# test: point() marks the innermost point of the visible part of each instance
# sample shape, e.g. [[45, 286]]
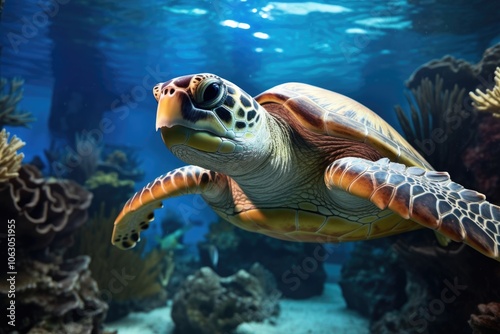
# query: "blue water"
[[112, 50]]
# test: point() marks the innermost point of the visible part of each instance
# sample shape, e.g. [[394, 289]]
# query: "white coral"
[[489, 101], [10, 160]]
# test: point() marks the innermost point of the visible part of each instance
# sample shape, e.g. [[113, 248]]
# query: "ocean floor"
[[325, 314]]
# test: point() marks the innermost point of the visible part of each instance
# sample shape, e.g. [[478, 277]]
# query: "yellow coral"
[[9, 115], [489, 101], [117, 157], [10, 160], [100, 179]]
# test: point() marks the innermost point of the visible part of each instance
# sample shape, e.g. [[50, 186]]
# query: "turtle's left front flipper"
[[429, 198], [137, 213]]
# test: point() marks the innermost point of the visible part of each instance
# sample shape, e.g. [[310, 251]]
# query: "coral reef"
[[488, 321], [430, 290], [77, 163], [461, 279], [89, 156], [54, 295], [442, 121], [208, 303], [132, 281], [458, 71], [43, 208], [446, 289], [121, 160], [489, 101], [110, 189], [9, 98], [297, 267], [366, 285], [185, 265], [437, 121], [110, 176], [481, 157], [10, 160]]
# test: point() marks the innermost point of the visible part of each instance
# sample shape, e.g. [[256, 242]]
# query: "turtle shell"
[[325, 112]]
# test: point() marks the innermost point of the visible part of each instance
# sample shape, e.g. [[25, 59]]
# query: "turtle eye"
[[210, 93]]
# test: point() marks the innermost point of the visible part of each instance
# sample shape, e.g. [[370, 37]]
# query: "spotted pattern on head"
[[237, 111]]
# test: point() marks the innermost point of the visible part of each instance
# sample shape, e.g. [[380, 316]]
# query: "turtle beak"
[[169, 112], [176, 109]]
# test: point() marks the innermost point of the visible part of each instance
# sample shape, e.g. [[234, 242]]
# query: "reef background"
[[77, 119]]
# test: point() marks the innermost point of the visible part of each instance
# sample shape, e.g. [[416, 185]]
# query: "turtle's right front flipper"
[[137, 213], [427, 197]]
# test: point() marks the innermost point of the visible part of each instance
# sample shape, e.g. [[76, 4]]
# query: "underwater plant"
[[88, 157], [78, 163], [10, 160], [11, 94], [144, 275], [89, 151], [437, 124], [490, 100]]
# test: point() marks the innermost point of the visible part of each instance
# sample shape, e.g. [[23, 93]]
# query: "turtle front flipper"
[[429, 198], [137, 213]]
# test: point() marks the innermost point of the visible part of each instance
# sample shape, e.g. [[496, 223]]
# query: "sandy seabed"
[[325, 314]]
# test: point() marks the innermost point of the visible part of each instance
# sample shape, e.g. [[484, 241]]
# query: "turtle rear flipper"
[[429, 198]]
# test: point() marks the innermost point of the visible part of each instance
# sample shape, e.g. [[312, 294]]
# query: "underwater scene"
[[250, 166]]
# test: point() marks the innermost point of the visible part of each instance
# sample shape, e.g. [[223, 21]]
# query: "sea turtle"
[[301, 163]]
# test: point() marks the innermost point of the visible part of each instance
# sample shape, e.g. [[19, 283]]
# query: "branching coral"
[[9, 98], [89, 151], [489, 101], [110, 189], [87, 156], [438, 123], [124, 161], [10, 160], [142, 277], [78, 163]]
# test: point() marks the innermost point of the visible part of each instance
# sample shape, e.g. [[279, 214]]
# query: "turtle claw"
[[128, 232]]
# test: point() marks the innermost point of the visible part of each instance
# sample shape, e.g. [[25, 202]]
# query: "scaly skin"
[[427, 197], [137, 213]]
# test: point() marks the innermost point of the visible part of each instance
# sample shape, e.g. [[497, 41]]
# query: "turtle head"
[[203, 117]]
